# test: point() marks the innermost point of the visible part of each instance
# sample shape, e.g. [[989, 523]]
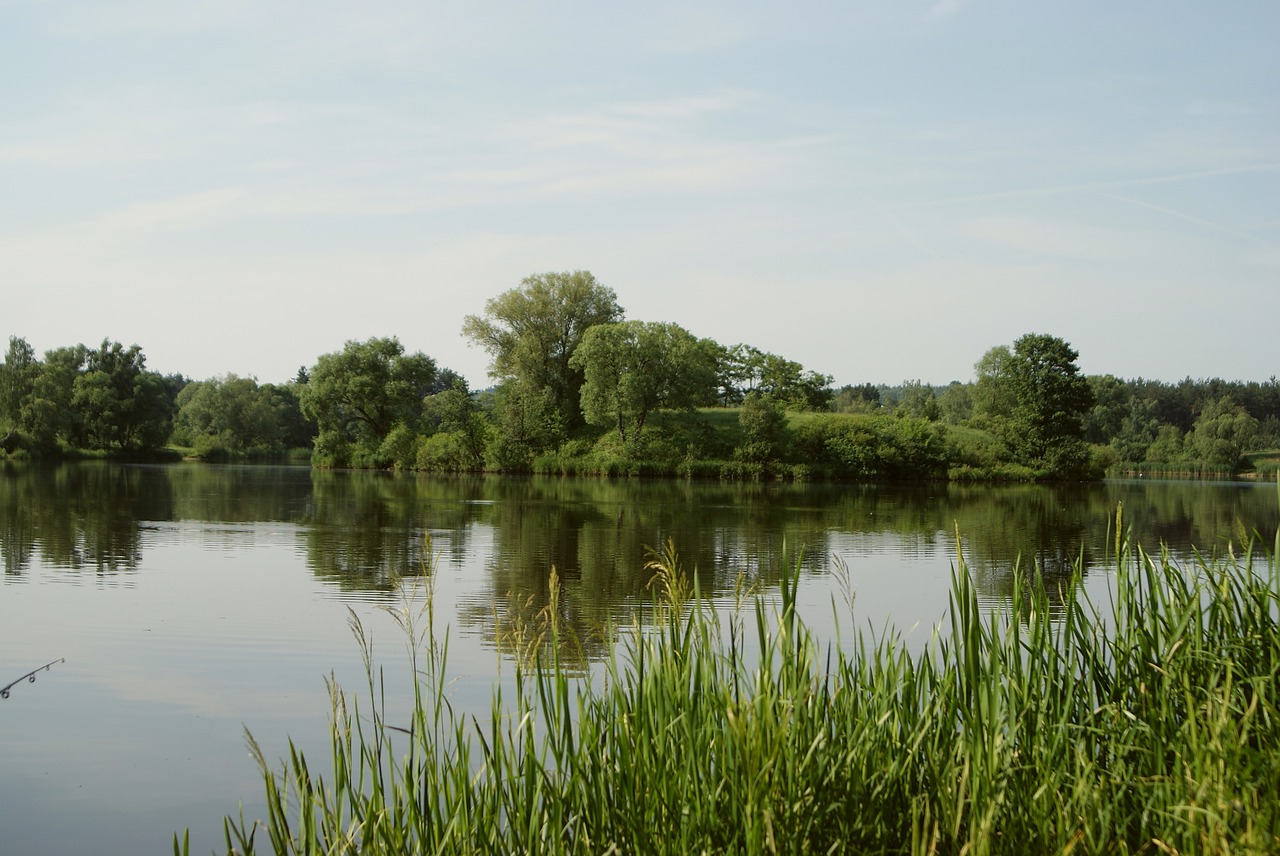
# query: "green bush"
[[869, 447], [443, 452], [763, 424], [399, 449], [330, 451]]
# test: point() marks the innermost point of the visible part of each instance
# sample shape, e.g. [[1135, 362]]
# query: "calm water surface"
[[191, 601]]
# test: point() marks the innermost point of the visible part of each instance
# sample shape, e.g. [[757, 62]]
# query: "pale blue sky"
[[879, 190]]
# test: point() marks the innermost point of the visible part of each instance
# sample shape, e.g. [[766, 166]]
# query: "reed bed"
[[1145, 724]]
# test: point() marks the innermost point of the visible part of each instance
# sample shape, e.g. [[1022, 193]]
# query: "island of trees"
[[581, 389]]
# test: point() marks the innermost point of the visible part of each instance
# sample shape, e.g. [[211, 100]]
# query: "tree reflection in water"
[[365, 532]]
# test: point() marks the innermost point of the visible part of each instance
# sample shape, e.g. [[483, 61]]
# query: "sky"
[[881, 191]]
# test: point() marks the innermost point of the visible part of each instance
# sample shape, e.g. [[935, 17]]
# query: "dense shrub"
[[764, 429], [867, 447], [446, 452]]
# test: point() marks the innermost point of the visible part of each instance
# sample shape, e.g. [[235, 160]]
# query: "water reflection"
[[365, 532], [79, 517]]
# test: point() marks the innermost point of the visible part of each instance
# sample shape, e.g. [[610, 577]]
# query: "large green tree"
[[531, 333], [633, 368], [955, 405], [1035, 399], [47, 415], [993, 398], [17, 378], [358, 395], [119, 405]]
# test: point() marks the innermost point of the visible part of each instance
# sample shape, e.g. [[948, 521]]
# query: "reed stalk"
[[1145, 724]]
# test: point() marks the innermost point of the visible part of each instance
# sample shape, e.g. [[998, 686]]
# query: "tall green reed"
[[1147, 723]]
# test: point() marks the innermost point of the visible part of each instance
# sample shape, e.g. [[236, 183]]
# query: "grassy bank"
[[1146, 724]]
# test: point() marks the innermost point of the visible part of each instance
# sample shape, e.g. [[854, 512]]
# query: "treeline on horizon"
[[582, 390]]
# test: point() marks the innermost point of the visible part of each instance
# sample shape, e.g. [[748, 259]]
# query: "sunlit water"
[[189, 602]]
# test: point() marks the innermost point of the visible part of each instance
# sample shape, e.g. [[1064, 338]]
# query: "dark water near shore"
[[189, 600]]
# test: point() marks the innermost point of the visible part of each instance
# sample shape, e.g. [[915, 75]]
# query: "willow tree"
[[531, 333]]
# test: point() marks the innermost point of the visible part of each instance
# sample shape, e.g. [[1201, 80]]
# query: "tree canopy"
[[572, 371], [1036, 400], [744, 369], [101, 399], [531, 332], [234, 415], [358, 395], [632, 368]]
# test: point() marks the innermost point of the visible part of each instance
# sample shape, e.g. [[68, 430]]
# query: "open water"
[[180, 604]]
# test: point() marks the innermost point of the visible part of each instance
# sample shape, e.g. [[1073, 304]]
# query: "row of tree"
[[100, 398], [1140, 424], [569, 366], [105, 399], [565, 359]]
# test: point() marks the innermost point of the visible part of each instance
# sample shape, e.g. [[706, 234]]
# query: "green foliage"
[[297, 432], [955, 405], [399, 449], [457, 415], [1268, 436], [871, 447], [448, 452], [1035, 399], [632, 368], [47, 415], [856, 399], [331, 451], [994, 399], [117, 405], [764, 430], [1167, 446], [1222, 434], [972, 450], [918, 400], [233, 416], [17, 379], [1138, 430], [1112, 404], [1149, 724], [744, 369], [531, 333], [358, 395], [527, 422]]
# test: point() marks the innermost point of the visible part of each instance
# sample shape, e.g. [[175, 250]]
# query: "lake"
[[183, 603]]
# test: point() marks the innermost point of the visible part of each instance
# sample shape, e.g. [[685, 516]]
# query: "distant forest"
[[582, 390]]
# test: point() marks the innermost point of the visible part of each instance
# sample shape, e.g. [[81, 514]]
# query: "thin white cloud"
[[1063, 239], [1091, 186], [1199, 221], [35, 255]]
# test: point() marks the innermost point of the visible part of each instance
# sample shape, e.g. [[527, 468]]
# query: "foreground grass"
[[1148, 724]]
